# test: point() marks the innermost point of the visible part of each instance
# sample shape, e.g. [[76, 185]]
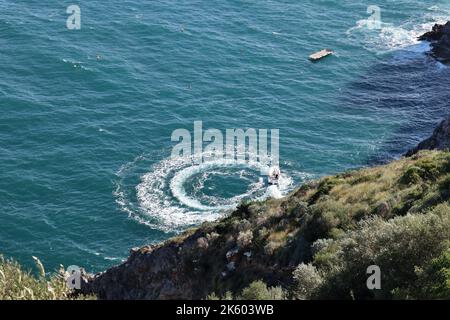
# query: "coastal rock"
[[230, 255], [383, 209], [231, 266], [439, 140], [435, 34], [202, 243], [439, 37], [190, 266]]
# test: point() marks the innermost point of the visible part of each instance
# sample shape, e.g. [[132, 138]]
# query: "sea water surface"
[[87, 115]]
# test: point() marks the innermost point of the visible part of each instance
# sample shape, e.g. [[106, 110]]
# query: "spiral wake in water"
[[176, 193]]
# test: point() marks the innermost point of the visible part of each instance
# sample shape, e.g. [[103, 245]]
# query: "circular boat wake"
[[176, 193]]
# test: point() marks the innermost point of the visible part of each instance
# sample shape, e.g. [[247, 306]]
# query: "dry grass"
[[18, 284]]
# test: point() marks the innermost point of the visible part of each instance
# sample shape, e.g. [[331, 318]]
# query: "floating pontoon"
[[320, 55]]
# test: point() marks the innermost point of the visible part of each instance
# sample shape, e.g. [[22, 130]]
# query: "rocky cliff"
[[439, 140], [439, 37]]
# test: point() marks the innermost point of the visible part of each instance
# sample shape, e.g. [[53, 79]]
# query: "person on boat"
[[274, 175]]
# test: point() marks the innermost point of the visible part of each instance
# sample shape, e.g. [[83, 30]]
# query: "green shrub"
[[228, 296], [17, 284], [427, 169], [398, 246], [412, 175], [325, 186], [431, 168], [307, 281], [434, 279], [444, 187], [258, 290]]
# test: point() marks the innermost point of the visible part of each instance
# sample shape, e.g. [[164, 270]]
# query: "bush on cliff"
[[18, 284], [257, 290], [412, 253]]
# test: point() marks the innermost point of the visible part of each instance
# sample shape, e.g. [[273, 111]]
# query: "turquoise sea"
[[87, 115]]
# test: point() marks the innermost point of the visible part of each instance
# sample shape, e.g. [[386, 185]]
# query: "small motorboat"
[[320, 55], [273, 181], [274, 176]]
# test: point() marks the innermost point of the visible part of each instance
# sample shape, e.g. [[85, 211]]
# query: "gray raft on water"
[[320, 55]]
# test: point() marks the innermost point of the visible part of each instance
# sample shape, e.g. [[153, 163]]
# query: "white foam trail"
[[180, 178], [176, 208], [273, 192], [163, 203]]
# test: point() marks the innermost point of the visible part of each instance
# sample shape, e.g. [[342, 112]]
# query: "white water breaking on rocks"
[[389, 37]]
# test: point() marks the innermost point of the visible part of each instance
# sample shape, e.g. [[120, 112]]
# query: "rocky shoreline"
[[439, 140], [439, 37]]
